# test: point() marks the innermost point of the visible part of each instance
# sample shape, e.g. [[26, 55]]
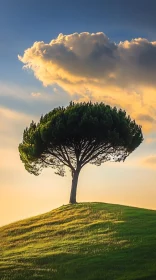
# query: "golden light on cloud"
[[150, 161], [11, 120], [92, 67], [11, 125], [150, 140], [10, 114]]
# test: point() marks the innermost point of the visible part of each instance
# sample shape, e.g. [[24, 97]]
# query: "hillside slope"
[[88, 241]]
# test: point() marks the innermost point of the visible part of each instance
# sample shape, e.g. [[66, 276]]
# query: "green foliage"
[[79, 134], [88, 241]]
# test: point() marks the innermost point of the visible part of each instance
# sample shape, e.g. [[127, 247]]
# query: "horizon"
[[52, 53]]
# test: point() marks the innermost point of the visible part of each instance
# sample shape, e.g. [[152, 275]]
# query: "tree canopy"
[[78, 134]]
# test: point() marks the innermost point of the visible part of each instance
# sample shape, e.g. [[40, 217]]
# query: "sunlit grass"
[[82, 241]]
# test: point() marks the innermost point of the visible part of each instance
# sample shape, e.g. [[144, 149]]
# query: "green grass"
[[88, 241]]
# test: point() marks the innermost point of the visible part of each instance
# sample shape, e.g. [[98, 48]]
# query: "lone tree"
[[76, 135]]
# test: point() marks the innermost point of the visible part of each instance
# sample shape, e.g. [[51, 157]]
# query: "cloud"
[[55, 89], [92, 67], [150, 161], [13, 90], [19, 99], [12, 125], [150, 140], [78, 58], [7, 114], [35, 94], [146, 118]]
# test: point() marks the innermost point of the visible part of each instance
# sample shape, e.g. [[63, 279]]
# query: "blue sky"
[[23, 96]]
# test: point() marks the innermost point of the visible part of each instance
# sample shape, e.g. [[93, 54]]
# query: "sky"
[[52, 52]]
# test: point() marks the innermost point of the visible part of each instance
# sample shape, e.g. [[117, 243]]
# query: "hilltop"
[[86, 241]]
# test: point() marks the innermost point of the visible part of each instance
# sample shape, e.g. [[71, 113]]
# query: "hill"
[[88, 241]]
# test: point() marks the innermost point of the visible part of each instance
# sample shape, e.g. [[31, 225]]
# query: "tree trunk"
[[74, 187]]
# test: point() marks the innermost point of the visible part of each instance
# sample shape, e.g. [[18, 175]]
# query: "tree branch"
[[61, 157], [68, 159], [93, 156], [86, 149], [92, 150]]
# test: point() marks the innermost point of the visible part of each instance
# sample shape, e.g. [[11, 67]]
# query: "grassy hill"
[[88, 241]]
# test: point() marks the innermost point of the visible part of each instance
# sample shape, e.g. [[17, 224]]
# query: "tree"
[[76, 135]]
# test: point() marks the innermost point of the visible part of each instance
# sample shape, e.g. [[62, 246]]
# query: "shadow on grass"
[[104, 242], [127, 263]]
